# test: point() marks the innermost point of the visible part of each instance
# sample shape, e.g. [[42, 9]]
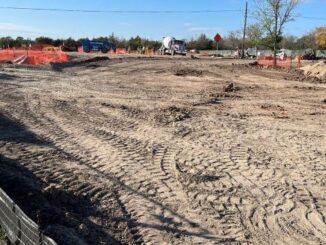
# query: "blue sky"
[[30, 24]]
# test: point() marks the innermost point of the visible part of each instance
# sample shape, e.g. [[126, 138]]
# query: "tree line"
[[232, 41], [133, 42], [255, 38]]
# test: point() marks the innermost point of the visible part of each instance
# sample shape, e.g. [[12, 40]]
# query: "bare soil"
[[315, 70], [165, 151]]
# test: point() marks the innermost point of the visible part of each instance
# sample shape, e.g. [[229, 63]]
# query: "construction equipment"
[[309, 54], [93, 46], [172, 46]]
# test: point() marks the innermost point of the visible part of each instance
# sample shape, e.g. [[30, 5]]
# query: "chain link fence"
[[320, 54], [19, 228]]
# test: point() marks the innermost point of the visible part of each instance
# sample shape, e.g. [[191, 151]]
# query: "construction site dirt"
[[165, 150]]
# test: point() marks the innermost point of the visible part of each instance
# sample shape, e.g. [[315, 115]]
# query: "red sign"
[[217, 38]]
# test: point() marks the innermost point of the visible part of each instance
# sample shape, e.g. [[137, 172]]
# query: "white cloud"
[[195, 29], [11, 27], [200, 29]]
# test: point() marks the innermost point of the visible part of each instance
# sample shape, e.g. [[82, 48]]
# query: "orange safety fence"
[[268, 61], [149, 52], [121, 51], [33, 57]]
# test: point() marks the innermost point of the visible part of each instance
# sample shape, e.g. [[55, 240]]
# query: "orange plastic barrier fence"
[[149, 52], [268, 61], [33, 57], [121, 51]]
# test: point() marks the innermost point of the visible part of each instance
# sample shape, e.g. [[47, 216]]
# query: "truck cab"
[[179, 47]]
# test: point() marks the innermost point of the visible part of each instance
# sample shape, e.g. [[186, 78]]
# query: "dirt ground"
[[165, 151]]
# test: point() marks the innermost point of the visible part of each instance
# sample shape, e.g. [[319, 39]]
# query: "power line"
[[123, 11], [141, 11], [312, 18]]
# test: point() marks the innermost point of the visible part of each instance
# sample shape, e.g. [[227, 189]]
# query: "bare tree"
[[272, 15], [233, 39], [254, 34]]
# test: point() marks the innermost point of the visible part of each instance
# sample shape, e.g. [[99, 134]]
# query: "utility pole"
[[277, 9], [244, 32]]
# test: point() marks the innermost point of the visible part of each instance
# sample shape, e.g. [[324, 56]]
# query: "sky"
[[31, 24]]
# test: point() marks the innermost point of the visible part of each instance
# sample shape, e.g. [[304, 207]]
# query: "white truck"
[[172, 46]]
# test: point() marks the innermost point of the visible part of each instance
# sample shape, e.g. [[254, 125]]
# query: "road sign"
[[217, 38]]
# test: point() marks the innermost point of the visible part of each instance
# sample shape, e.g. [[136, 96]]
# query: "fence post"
[[299, 61], [19, 225], [40, 235]]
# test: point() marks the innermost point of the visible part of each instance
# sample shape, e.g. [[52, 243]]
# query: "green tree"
[[7, 42], [58, 42], [135, 42], [204, 43], [272, 15], [201, 43], [44, 40], [254, 34]]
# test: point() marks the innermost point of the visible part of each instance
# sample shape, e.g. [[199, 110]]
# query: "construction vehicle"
[[172, 46], [93, 46], [309, 54]]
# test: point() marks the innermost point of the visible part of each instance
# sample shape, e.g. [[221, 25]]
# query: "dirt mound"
[[194, 57], [90, 63], [128, 110], [299, 75], [316, 70], [188, 72], [231, 87], [251, 64], [172, 114]]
